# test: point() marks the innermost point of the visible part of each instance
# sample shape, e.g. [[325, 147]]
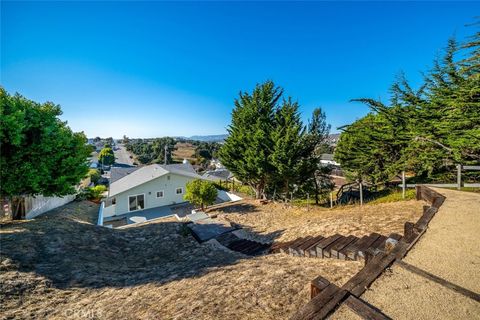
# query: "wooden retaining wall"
[[326, 297]]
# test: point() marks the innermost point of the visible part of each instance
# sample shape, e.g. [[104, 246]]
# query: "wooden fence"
[[326, 297]]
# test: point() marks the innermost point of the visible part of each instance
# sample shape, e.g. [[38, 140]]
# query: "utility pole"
[[403, 184], [166, 150]]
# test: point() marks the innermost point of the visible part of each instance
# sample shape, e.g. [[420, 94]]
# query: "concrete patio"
[[180, 210]]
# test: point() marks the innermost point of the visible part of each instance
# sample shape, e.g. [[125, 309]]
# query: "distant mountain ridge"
[[332, 138], [209, 138]]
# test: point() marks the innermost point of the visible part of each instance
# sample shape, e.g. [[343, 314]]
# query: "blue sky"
[[151, 69]]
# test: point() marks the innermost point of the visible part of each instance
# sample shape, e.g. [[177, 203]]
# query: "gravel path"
[[449, 249]]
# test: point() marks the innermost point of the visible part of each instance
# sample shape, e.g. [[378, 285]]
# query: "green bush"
[[92, 193], [200, 193], [94, 175]]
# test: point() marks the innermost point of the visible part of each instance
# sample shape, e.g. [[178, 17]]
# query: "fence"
[[35, 206], [457, 185], [100, 214], [327, 297]]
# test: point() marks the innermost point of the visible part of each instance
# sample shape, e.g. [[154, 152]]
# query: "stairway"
[[336, 246], [247, 247]]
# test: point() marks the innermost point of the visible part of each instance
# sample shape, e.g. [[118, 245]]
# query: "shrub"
[[201, 193], [94, 175]]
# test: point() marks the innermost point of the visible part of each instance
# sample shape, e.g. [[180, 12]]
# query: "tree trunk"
[[316, 189], [17, 208]]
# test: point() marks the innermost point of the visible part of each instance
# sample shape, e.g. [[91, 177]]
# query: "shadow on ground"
[[67, 248]]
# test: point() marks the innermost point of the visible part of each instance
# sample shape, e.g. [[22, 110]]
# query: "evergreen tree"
[[314, 178], [248, 147], [40, 155], [287, 146], [425, 131]]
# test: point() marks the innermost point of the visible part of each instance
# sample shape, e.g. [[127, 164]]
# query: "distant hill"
[[210, 138]]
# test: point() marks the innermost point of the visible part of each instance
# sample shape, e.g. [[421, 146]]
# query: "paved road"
[[122, 157]]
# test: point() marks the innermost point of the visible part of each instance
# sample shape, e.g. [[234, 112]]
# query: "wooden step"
[[249, 246], [395, 236], [367, 244], [286, 248], [376, 247], [236, 244], [260, 249], [293, 250], [227, 238], [302, 249], [327, 250], [339, 245], [324, 243], [312, 250], [350, 249]]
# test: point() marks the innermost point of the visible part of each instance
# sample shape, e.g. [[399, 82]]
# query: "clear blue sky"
[[152, 69]]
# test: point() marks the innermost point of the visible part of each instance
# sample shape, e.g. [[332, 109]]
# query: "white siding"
[[150, 188]]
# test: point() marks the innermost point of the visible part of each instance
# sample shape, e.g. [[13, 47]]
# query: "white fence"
[[35, 206], [100, 214]]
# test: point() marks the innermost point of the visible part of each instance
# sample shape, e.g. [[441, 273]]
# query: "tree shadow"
[[240, 207], [71, 253]]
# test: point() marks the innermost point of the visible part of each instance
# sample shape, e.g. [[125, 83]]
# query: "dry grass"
[[184, 150], [63, 266], [280, 222]]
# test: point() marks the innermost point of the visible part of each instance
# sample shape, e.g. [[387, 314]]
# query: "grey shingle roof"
[[150, 172], [219, 174], [117, 173]]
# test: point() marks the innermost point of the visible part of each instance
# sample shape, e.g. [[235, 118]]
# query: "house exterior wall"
[[167, 183]]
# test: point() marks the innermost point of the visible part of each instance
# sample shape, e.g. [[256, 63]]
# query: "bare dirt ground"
[[61, 266], [279, 222], [448, 249]]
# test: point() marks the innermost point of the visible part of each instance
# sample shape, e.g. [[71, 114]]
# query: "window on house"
[[179, 191], [114, 201], [160, 194], [136, 202]]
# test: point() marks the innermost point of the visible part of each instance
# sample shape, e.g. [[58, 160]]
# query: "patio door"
[[136, 202]]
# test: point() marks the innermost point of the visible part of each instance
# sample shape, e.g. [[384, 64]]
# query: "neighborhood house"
[[147, 190]]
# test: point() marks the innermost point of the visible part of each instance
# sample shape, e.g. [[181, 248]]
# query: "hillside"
[[61, 266]]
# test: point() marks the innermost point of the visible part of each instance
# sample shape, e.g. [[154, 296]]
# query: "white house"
[[147, 191]]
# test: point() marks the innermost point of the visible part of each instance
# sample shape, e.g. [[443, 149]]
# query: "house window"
[[179, 191], [160, 194], [114, 201], [136, 202]]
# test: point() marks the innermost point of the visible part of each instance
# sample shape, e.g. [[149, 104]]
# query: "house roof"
[[218, 174], [147, 173], [117, 173]]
